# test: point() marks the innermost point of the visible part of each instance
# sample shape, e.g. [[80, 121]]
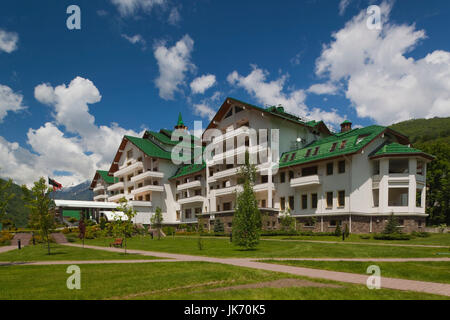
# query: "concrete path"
[[7, 248]]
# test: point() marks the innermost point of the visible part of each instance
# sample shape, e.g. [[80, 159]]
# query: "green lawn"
[[219, 247], [423, 271], [60, 252], [180, 280], [439, 239]]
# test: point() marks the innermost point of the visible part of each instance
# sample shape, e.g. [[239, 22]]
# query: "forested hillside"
[[16, 211]]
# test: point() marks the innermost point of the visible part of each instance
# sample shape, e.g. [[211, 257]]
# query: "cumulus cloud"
[[274, 93], [9, 101], [203, 110], [130, 7], [203, 83], [80, 149], [323, 88], [343, 4], [136, 39], [8, 41], [173, 63], [382, 82]]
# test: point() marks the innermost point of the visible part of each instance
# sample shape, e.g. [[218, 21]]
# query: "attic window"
[[361, 138], [333, 147], [343, 144], [292, 156], [229, 114], [308, 153], [286, 158], [316, 151], [238, 109]]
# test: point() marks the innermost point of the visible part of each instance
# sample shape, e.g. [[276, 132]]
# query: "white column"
[[269, 189], [412, 188], [384, 185]]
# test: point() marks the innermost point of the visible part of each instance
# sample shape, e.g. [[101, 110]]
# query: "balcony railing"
[[99, 188], [308, 181], [101, 197], [222, 157], [147, 174], [116, 197], [116, 186], [148, 189], [232, 134], [187, 185], [191, 199], [129, 169]]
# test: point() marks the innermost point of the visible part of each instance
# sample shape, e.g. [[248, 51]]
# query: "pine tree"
[[346, 231], [218, 226], [392, 225], [338, 231], [247, 219], [156, 220]]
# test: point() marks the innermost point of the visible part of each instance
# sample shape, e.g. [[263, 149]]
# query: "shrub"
[[66, 231], [394, 236], [338, 231], [218, 226], [365, 236], [421, 234], [5, 238], [346, 231], [169, 231], [392, 226]]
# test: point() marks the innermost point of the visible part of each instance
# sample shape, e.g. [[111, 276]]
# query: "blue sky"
[[133, 65]]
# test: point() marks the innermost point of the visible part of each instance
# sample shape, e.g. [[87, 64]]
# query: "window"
[[238, 109], [419, 198], [333, 223], [282, 177], [188, 213], [291, 202], [333, 147], [376, 168], [304, 201], [198, 210], [308, 153], [398, 197], [314, 200], [420, 168], [230, 224], [341, 199], [398, 166], [227, 206], [147, 197], [286, 158], [316, 151], [291, 175], [310, 223], [341, 166], [283, 203], [264, 179], [263, 203], [343, 143], [329, 199], [178, 215], [376, 197], [198, 192], [330, 166], [129, 154], [293, 156], [310, 171]]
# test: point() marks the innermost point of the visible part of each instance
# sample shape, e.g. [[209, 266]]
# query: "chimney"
[[346, 126]]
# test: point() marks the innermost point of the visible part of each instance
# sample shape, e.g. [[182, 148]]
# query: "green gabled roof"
[[149, 148], [189, 169], [355, 140], [180, 121], [394, 148], [104, 175]]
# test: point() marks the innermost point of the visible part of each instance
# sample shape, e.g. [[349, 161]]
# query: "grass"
[[219, 247], [422, 271], [181, 280], [60, 252], [438, 239]]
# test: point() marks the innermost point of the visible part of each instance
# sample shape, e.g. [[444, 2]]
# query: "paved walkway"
[[7, 248]]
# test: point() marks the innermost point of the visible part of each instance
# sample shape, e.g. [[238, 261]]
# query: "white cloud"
[[173, 64], [8, 41], [130, 7], [203, 83], [174, 16], [204, 111], [136, 39], [382, 82], [9, 101], [323, 88], [273, 93], [88, 147], [343, 4]]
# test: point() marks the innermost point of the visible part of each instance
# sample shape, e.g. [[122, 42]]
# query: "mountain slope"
[[78, 192], [16, 211], [425, 130]]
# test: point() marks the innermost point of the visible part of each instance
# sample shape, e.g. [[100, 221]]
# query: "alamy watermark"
[[374, 281], [73, 281], [373, 21], [73, 22]]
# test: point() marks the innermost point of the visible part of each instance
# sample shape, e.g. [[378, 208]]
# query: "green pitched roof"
[[335, 145], [396, 148], [189, 169], [149, 148], [180, 121], [104, 175]]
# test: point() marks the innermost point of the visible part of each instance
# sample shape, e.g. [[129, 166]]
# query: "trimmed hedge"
[[394, 236]]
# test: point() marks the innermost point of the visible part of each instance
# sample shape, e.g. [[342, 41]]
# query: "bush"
[[5, 238], [421, 234], [394, 236], [169, 231], [365, 236], [218, 226], [338, 231]]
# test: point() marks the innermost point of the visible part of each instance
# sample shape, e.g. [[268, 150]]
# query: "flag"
[[56, 185]]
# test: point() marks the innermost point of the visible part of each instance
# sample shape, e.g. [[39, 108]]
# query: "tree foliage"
[[218, 226], [42, 209], [392, 226], [247, 218], [156, 221], [124, 227]]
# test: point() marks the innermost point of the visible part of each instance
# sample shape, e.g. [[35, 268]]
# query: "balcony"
[[188, 185], [148, 189], [227, 191], [222, 157], [101, 197], [99, 188], [116, 186], [193, 199], [147, 174], [225, 173], [135, 203], [116, 197], [263, 187], [129, 169], [231, 134], [309, 181]]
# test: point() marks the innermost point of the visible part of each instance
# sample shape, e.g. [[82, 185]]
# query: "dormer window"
[[286, 158], [316, 151], [238, 109], [308, 153], [292, 156], [343, 144], [229, 114], [333, 147]]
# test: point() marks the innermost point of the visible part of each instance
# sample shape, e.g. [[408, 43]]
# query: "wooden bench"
[[116, 243]]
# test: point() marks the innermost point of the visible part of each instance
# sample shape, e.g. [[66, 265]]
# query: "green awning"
[[72, 214]]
